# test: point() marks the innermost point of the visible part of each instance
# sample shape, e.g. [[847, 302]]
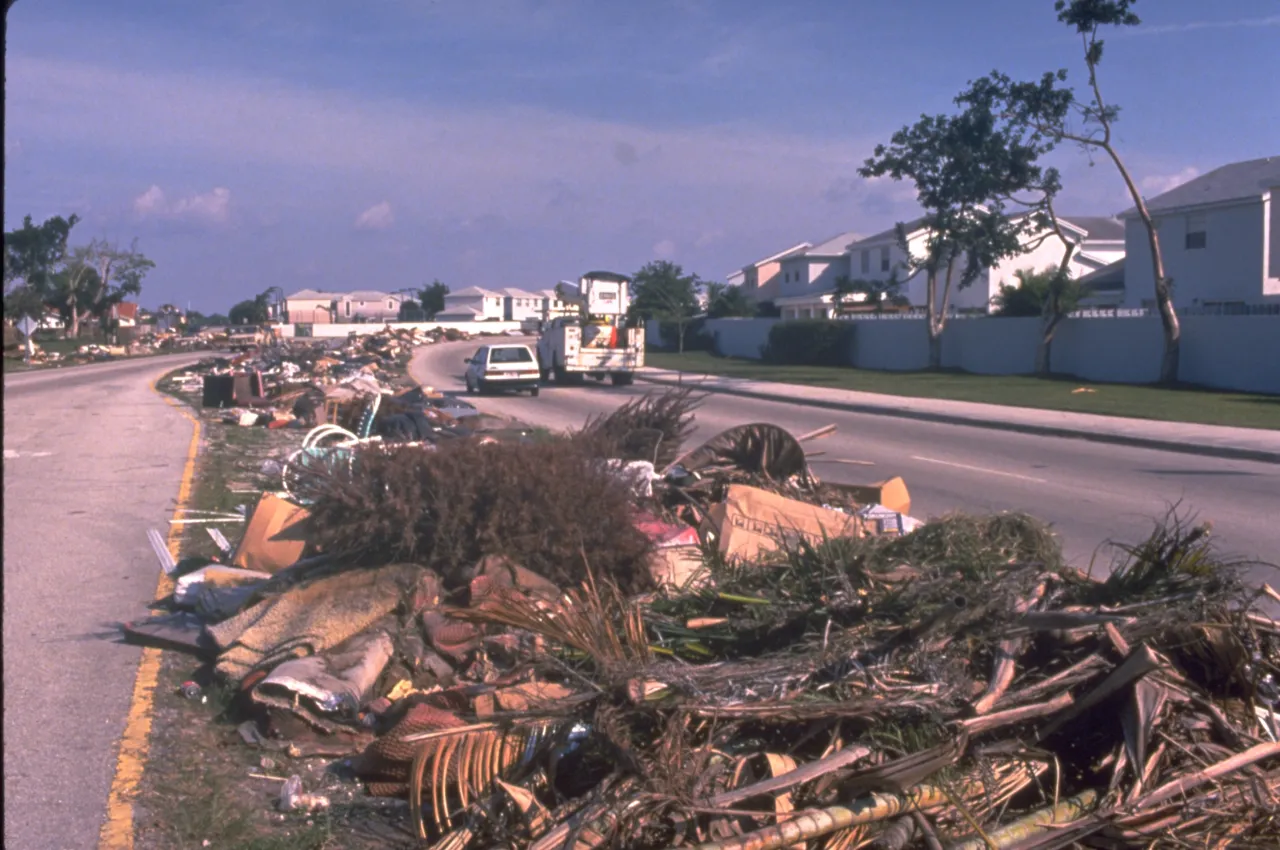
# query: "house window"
[[884, 259], [1196, 238], [866, 260]]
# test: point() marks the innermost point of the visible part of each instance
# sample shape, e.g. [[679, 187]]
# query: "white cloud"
[[213, 207], [664, 249], [1193, 26], [1158, 184], [377, 217]]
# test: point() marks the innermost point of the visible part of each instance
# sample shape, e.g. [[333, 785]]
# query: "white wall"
[[1228, 268], [1271, 219], [328, 331], [1226, 352]]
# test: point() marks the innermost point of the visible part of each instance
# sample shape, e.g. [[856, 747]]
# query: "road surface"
[[92, 459], [1091, 492]]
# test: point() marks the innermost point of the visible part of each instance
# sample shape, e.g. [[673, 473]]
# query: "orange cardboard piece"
[[751, 521], [273, 539], [891, 493]]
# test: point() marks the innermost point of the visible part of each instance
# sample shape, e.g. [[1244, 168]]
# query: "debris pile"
[[601, 640]]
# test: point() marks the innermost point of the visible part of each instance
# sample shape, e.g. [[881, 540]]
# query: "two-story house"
[[1095, 241], [518, 305], [553, 306], [1219, 240], [761, 281], [367, 305], [472, 304], [310, 307]]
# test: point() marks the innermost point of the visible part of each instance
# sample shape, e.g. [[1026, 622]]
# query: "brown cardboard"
[[751, 521], [272, 539], [891, 493]]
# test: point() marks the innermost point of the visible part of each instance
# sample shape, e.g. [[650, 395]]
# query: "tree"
[[252, 311], [432, 299], [410, 311], [1052, 108], [768, 310], [1052, 294], [661, 290], [878, 293], [724, 301], [964, 168], [33, 255]]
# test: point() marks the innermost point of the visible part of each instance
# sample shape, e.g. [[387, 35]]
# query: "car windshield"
[[510, 355]]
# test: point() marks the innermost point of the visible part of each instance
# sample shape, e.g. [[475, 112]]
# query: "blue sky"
[[380, 144]]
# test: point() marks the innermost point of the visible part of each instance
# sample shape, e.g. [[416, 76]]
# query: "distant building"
[[473, 304], [125, 314], [367, 305], [310, 307]]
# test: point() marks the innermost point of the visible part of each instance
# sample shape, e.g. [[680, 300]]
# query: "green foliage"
[[410, 311], [810, 342], [33, 255], [879, 293], [252, 311], [1038, 292], [662, 290], [768, 310], [724, 301], [432, 299]]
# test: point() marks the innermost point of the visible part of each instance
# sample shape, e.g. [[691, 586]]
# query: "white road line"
[[979, 469]]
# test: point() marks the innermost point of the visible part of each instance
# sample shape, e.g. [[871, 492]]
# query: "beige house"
[[762, 280], [310, 307]]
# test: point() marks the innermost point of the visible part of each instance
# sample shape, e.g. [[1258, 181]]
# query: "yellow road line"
[[117, 831]]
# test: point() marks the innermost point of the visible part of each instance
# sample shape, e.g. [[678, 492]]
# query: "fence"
[[1235, 352]]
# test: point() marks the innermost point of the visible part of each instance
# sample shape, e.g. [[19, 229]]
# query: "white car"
[[508, 367]]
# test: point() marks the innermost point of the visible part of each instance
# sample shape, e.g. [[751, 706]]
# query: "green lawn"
[[1174, 405]]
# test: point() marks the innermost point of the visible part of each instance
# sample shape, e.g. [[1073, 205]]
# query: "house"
[[367, 305], [518, 305], [309, 307], [1219, 239], [760, 280], [472, 304], [51, 321], [125, 314], [553, 306], [1096, 242], [808, 277]]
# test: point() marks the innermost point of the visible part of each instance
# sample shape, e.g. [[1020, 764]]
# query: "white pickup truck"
[[597, 342]]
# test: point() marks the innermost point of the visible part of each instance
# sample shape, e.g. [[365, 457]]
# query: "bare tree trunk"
[[1043, 352], [938, 313], [74, 328], [1164, 291], [1054, 313]]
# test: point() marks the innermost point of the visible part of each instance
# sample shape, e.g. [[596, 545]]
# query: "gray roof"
[[833, 246], [892, 233], [472, 291], [311, 294], [1107, 277], [513, 292], [1234, 182], [1099, 228], [368, 295]]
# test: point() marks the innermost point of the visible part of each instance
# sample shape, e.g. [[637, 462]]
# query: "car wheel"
[[622, 379], [471, 390], [533, 393]]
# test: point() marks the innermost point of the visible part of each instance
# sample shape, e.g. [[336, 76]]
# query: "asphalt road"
[[1091, 492], [92, 459]]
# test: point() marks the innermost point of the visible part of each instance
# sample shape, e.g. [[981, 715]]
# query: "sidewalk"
[[1213, 440]]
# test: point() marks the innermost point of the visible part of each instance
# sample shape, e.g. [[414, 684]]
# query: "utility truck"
[[595, 339]]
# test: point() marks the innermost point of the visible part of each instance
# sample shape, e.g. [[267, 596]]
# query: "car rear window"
[[510, 355]]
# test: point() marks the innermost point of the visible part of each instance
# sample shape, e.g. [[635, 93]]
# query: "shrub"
[[810, 342], [543, 504]]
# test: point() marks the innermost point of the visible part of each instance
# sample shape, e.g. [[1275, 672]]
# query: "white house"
[[1096, 242], [368, 305], [553, 305], [1219, 238], [761, 280], [518, 305], [472, 304]]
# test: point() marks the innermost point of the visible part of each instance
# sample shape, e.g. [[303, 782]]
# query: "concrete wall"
[[330, 331], [1227, 352]]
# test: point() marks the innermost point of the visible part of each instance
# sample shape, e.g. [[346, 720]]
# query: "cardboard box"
[[751, 521], [273, 538], [892, 494]]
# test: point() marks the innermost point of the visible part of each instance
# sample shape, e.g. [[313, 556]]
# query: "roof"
[[368, 295], [471, 291], [602, 275], [1235, 182], [311, 294], [513, 292], [1107, 277], [891, 235], [126, 310], [833, 246], [781, 255], [1099, 228]]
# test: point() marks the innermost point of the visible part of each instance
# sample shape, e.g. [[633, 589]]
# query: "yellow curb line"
[[117, 831]]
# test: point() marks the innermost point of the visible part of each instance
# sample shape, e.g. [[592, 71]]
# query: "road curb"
[[1227, 452]]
